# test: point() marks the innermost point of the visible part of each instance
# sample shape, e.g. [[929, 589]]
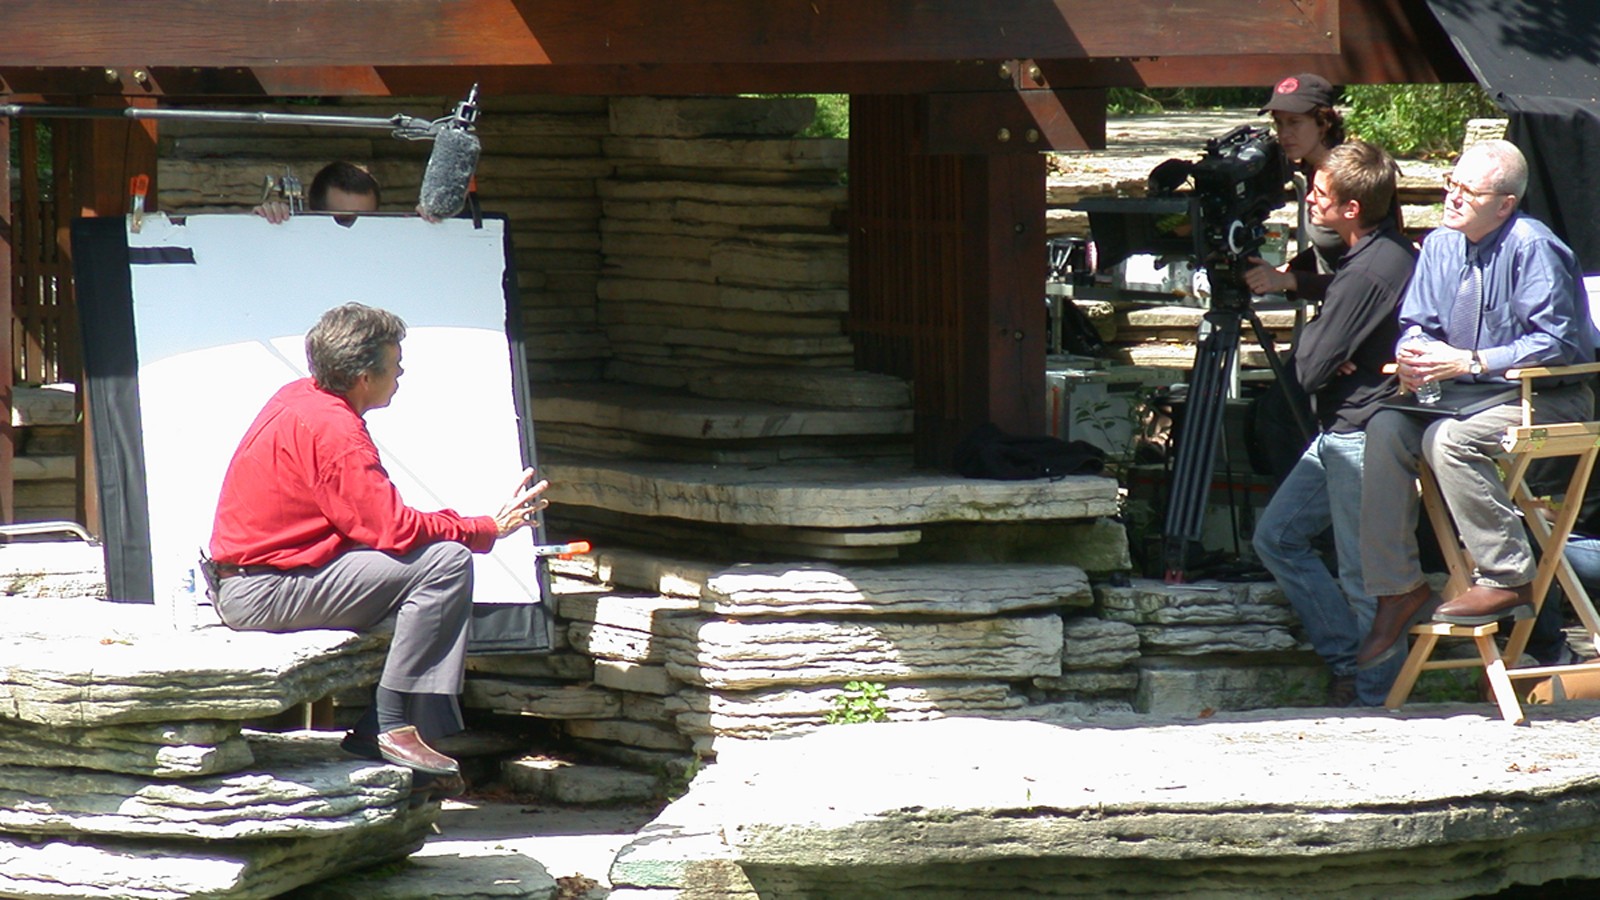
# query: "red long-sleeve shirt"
[[306, 485]]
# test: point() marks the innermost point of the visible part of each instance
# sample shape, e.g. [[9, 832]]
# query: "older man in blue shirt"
[[1493, 290]]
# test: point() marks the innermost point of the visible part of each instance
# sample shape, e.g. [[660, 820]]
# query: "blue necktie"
[[1462, 332]]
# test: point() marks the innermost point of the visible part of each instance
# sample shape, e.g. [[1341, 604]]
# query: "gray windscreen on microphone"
[[449, 172]]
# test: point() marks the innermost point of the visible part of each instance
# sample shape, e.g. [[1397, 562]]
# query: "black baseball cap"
[[1301, 94]]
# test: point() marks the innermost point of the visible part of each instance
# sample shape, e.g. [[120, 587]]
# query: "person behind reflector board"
[[311, 533], [338, 187]]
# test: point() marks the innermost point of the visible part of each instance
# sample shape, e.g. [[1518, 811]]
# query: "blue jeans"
[[1584, 555], [1335, 618]]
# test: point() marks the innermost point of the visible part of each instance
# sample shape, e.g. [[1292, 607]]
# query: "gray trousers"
[[429, 591], [1461, 453]]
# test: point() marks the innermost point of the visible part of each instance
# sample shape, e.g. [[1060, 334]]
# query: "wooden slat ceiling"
[[376, 47]]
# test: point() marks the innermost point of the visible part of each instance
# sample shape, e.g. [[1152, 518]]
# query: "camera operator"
[[1308, 127]]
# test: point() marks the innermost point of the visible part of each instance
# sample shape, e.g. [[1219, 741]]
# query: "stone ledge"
[[644, 410], [859, 496], [45, 405], [1442, 802], [87, 663], [301, 786]]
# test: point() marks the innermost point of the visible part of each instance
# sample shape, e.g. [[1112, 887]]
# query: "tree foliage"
[[1415, 120]]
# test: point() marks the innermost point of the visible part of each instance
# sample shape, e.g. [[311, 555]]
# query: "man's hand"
[[1265, 279], [1419, 362], [525, 502], [274, 211]]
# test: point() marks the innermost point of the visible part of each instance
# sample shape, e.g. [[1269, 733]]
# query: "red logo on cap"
[[1289, 85]]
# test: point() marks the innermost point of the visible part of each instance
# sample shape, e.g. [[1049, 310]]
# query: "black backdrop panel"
[[1540, 59]]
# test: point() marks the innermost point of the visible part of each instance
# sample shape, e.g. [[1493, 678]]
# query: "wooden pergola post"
[[947, 252], [7, 433]]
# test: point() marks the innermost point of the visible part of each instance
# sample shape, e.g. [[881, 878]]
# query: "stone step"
[[566, 782], [653, 411], [44, 468], [1353, 803], [43, 405], [818, 496]]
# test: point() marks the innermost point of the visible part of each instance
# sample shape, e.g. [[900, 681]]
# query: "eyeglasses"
[[1451, 185]]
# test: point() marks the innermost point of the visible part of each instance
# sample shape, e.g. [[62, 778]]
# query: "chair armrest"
[[1527, 374], [1547, 371]]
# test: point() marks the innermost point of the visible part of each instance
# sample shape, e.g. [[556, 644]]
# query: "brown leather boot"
[[1394, 616], [1482, 604]]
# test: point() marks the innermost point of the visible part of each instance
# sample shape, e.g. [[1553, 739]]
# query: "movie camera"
[[1211, 212]]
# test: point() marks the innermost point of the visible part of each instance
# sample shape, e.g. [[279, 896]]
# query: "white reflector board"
[[220, 305]]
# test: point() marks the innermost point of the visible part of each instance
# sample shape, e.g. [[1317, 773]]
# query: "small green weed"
[[860, 701]]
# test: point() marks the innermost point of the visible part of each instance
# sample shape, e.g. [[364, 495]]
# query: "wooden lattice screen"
[[44, 326], [905, 308]]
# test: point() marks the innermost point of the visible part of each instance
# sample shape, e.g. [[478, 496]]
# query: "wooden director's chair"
[[1550, 519]]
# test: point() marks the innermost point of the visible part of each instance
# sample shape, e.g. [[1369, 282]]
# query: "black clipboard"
[[1458, 399]]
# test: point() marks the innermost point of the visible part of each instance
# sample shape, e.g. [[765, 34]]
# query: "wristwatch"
[[1475, 367]]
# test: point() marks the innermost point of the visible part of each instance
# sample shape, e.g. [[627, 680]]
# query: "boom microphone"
[[450, 166]]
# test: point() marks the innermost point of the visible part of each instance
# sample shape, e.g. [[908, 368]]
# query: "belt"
[[228, 570]]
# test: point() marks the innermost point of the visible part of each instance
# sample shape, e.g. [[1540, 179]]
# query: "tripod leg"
[[1197, 445]]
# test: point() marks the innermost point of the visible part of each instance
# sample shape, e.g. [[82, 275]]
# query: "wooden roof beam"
[[250, 33]]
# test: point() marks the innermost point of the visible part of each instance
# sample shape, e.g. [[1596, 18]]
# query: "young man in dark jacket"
[[1339, 360]]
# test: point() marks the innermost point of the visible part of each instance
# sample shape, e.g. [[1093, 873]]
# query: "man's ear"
[[1352, 210]]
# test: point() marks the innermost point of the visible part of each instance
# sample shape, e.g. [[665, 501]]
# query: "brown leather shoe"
[[1482, 604], [404, 747], [1394, 616]]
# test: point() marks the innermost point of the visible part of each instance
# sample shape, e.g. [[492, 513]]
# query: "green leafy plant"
[[860, 701], [1415, 119]]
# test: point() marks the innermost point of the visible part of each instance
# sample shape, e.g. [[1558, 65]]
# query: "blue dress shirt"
[[1533, 311]]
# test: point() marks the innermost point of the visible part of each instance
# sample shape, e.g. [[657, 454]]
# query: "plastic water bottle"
[[1429, 392], [186, 601]]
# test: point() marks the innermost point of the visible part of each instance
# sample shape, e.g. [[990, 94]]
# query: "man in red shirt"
[[311, 533]]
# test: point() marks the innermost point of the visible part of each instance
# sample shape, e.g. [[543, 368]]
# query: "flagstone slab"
[[938, 590], [645, 410], [88, 663], [819, 496], [159, 750], [765, 713], [1438, 803], [621, 644], [1147, 601], [297, 787], [748, 654], [98, 868], [52, 569], [1093, 643], [541, 700]]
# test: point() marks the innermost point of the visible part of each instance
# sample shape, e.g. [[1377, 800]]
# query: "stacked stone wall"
[[691, 252], [124, 767]]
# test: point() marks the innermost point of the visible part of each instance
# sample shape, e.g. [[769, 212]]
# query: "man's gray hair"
[[1511, 167], [349, 340]]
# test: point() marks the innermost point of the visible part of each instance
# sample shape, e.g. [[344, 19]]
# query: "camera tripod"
[[1214, 361]]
